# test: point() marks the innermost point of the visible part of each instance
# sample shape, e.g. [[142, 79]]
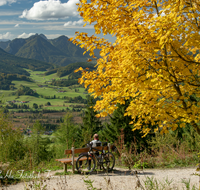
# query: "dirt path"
[[120, 179]]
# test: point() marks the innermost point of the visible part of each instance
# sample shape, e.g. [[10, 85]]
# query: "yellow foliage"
[[77, 70], [153, 61]]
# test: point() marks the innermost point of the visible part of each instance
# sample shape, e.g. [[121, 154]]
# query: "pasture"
[[41, 85]]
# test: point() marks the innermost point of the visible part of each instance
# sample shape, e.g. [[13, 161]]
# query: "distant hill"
[[58, 51], [40, 49], [15, 45], [4, 44], [11, 64], [68, 48], [69, 69]]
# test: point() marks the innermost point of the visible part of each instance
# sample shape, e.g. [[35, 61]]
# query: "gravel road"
[[120, 179]]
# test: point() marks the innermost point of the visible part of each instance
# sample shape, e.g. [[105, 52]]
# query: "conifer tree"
[[91, 124], [38, 145], [118, 122], [66, 136], [11, 140]]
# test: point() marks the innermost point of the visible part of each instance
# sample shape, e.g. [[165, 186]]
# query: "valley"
[[37, 80], [48, 105]]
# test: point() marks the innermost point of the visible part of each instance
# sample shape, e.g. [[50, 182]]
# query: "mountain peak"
[[59, 51], [37, 35], [60, 38], [63, 36], [43, 36]]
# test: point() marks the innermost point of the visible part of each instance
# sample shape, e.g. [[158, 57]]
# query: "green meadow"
[[46, 89]]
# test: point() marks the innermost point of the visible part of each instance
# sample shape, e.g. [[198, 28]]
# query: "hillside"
[[11, 64], [69, 69], [45, 90], [58, 51], [40, 49], [4, 44], [67, 47], [15, 45]]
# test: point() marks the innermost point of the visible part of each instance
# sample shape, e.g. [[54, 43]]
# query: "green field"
[[39, 78]]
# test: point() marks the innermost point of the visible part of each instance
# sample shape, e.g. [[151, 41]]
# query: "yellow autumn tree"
[[154, 60]]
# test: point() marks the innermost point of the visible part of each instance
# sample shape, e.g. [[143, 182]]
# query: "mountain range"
[[11, 64], [59, 51]]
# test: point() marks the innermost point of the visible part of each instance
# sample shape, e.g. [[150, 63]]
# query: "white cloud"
[[7, 35], [68, 23], [16, 25], [24, 35], [4, 2], [51, 10], [74, 23]]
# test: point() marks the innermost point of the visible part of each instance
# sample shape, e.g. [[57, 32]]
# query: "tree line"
[[25, 90], [6, 80]]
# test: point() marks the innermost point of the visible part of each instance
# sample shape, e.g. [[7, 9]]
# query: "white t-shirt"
[[95, 143]]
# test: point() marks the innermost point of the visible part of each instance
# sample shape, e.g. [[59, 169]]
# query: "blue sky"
[[53, 18]]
